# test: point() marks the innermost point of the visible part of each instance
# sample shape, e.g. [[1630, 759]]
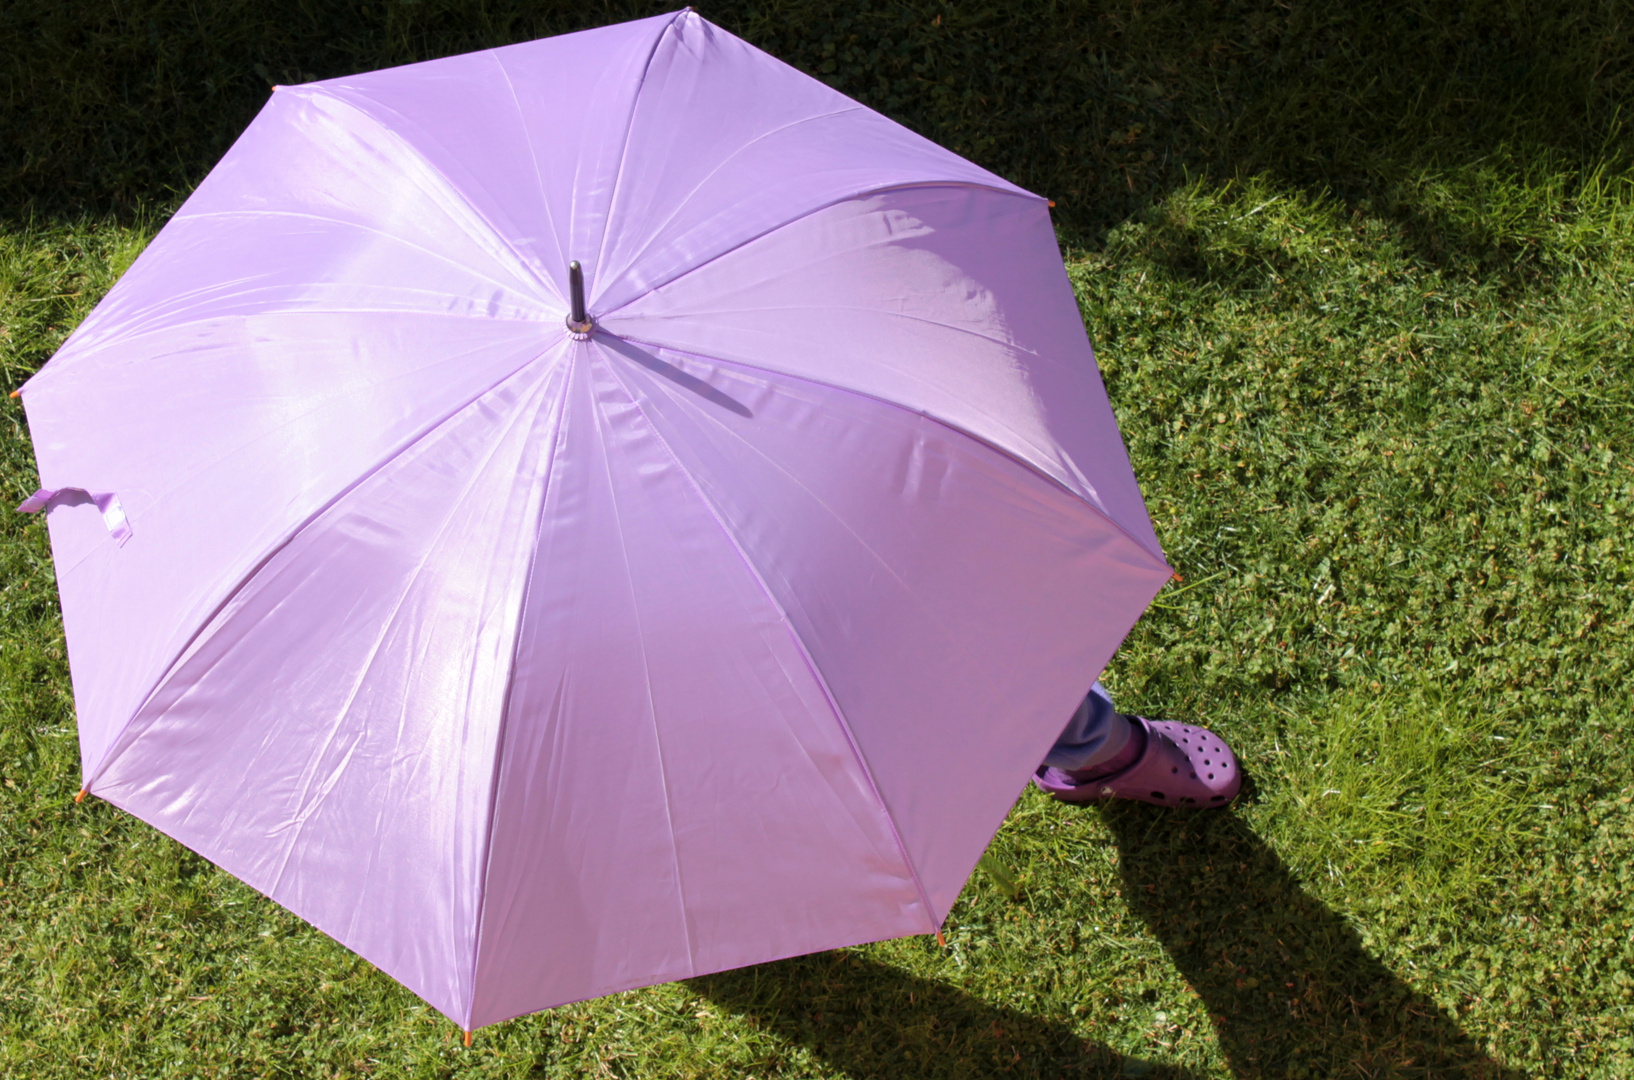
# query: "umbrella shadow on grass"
[[869, 1020], [1291, 988]]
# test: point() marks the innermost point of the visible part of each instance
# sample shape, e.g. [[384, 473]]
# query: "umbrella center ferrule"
[[579, 324]]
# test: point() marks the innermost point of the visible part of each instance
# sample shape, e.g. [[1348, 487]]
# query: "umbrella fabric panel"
[[727, 143], [307, 313], [532, 135], [927, 575], [330, 738], [950, 300], [685, 142], [252, 435], [317, 207], [676, 794]]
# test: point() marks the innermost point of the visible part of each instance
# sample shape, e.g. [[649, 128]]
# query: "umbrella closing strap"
[[113, 514]]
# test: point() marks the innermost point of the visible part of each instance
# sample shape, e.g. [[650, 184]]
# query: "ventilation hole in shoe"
[[1217, 798], [1206, 761], [1174, 769], [1158, 795], [1188, 799], [1194, 776], [1211, 776]]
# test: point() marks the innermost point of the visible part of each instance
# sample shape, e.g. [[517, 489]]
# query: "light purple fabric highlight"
[[534, 669]]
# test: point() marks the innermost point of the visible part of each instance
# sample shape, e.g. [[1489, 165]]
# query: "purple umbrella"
[[536, 643]]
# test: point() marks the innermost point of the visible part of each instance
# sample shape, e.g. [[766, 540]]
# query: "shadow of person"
[[1289, 985], [869, 1019]]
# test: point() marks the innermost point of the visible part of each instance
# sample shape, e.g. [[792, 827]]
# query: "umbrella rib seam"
[[684, 202], [123, 740], [533, 155], [1010, 455], [241, 316], [448, 182], [386, 627], [560, 407], [878, 559], [629, 129], [646, 666], [803, 214], [289, 422], [805, 654], [360, 227]]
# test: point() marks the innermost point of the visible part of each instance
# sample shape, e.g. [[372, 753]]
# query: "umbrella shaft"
[[575, 286]]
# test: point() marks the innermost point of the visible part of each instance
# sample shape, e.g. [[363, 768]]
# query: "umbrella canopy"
[[537, 661]]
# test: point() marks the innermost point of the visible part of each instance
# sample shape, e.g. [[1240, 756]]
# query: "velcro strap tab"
[[113, 514]]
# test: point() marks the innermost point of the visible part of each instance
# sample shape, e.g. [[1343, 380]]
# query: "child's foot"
[[1180, 765]]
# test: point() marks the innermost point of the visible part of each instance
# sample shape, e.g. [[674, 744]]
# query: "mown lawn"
[[1360, 282]]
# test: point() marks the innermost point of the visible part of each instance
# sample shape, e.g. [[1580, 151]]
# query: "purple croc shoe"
[[1182, 765]]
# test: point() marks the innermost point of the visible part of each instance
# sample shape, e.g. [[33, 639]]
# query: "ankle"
[[1117, 763]]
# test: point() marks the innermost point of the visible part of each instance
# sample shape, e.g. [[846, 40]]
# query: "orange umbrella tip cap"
[[940, 940], [79, 798], [16, 393], [1052, 204], [467, 1038]]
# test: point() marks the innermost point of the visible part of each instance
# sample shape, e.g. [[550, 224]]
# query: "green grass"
[[1359, 278]]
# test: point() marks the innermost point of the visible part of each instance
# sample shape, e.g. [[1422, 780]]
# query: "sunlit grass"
[[1364, 313]]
